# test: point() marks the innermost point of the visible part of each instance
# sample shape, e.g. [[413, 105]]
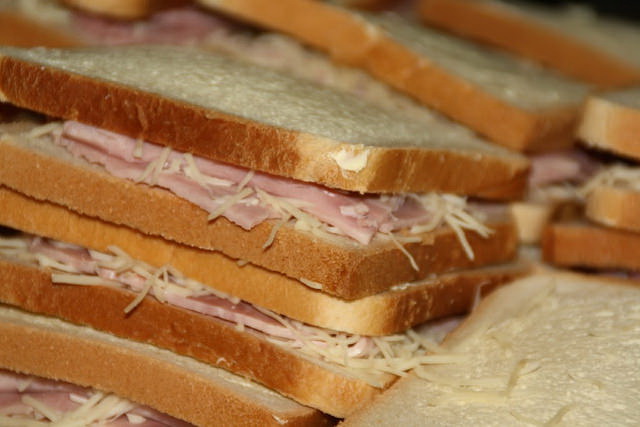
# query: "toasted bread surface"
[[413, 61], [109, 88], [380, 314], [343, 267], [177, 385], [616, 207], [495, 24], [124, 9]]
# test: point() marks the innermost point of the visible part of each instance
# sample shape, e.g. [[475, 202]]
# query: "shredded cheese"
[[614, 176]]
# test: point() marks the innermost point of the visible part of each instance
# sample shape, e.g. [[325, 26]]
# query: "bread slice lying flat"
[[611, 122], [574, 41], [395, 310], [218, 108], [177, 385], [343, 267], [587, 245], [513, 103], [549, 349]]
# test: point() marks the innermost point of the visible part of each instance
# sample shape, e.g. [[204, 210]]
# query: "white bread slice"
[[614, 206], [574, 41], [577, 244], [232, 112], [343, 267], [513, 103], [547, 350], [124, 9], [176, 385], [611, 122], [384, 313]]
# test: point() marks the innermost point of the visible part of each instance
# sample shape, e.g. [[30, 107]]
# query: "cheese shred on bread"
[[572, 39], [514, 103], [545, 350], [343, 267], [177, 385]]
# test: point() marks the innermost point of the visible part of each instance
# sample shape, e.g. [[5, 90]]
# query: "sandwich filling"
[[614, 176], [28, 401], [368, 358], [248, 198]]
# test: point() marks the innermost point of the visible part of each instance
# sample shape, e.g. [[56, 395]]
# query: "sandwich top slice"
[[129, 9], [610, 122], [548, 349], [514, 103], [572, 39], [176, 385], [224, 110]]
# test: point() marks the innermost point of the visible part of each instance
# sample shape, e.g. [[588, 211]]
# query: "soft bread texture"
[[549, 36], [124, 9], [530, 219], [616, 207], [191, 110], [611, 121], [476, 91], [380, 314], [214, 342], [176, 385], [549, 349], [343, 267], [586, 245]]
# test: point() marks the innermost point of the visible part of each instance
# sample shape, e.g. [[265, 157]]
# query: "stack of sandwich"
[[608, 240], [174, 211]]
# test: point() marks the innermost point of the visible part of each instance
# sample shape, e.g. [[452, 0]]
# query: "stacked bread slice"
[[367, 286], [611, 240], [573, 40]]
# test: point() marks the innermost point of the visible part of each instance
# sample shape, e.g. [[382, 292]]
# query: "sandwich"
[[608, 237], [291, 267], [511, 102], [573, 39], [87, 371], [545, 350]]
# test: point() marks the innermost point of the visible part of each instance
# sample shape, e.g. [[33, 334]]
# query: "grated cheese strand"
[[41, 407], [230, 201], [404, 250]]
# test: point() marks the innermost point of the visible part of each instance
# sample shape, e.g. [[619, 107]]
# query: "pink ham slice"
[[574, 166], [357, 216]]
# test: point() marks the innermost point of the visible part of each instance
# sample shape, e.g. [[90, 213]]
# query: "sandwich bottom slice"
[[176, 385], [548, 349]]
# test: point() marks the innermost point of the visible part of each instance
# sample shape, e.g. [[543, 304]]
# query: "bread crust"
[[168, 387], [255, 145], [124, 9], [19, 30], [614, 207], [585, 245], [357, 43], [344, 268], [611, 126], [187, 333], [380, 314], [493, 25]]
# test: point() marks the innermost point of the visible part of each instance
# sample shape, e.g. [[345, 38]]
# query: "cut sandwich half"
[[173, 384], [354, 256], [513, 103], [573, 39], [546, 350]]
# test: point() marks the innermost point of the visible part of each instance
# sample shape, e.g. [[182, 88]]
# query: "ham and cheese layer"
[[365, 357], [30, 401], [248, 198]]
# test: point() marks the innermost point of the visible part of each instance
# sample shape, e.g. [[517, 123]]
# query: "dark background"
[[627, 9]]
